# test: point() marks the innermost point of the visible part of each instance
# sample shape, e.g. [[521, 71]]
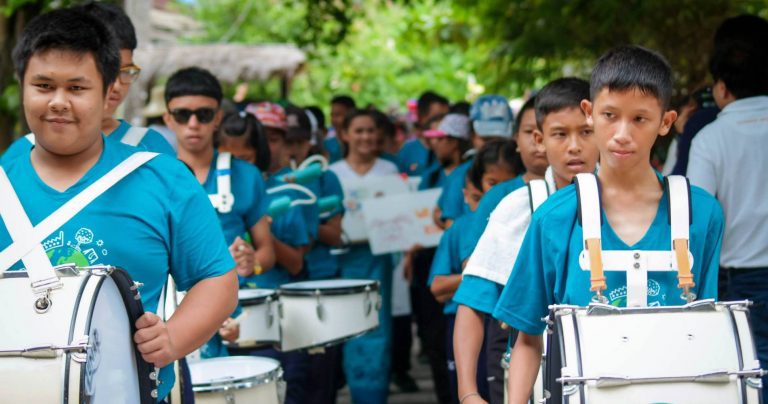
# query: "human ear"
[[586, 107], [667, 120]]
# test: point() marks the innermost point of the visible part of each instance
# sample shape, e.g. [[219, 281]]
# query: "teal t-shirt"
[[432, 177], [333, 147], [247, 186], [413, 158], [488, 203], [451, 200], [156, 221], [547, 270], [319, 261], [446, 260], [153, 141], [291, 229], [311, 212]]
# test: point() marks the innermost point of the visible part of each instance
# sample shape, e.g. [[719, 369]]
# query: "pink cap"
[[269, 114]]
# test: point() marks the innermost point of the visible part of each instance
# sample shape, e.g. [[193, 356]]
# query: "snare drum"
[[259, 321], [698, 353], [236, 379], [78, 349], [327, 312]]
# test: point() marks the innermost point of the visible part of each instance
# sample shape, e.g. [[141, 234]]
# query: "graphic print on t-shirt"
[[82, 248]]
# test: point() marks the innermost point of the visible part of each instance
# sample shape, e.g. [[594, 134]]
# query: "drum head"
[[254, 295], [216, 373], [114, 372], [330, 286]]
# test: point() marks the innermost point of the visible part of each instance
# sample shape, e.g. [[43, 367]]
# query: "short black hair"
[[742, 68], [193, 81], [460, 107], [745, 28], [529, 104], [116, 20], [318, 114], [633, 67], [384, 123], [426, 99], [560, 94], [69, 30], [739, 57], [492, 153], [344, 100], [235, 124]]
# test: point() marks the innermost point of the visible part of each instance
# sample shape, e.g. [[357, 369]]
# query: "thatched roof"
[[231, 63]]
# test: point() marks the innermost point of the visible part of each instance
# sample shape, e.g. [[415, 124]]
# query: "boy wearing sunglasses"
[[193, 100], [115, 129]]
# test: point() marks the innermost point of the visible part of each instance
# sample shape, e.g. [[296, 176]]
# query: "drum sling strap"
[[223, 199], [538, 192], [635, 263], [26, 238]]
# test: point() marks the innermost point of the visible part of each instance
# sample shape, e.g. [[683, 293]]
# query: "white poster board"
[[397, 222], [357, 193]]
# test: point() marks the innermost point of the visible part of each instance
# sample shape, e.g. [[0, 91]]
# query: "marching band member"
[[367, 358], [319, 262], [153, 222], [630, 91], [291, 238], [115, 129], [567, 140], [193, 98], [445, 276]]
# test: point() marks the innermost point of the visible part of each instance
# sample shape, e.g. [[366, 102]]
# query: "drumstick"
[[236, 321]]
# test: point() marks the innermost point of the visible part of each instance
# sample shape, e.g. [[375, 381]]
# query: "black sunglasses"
[[182, 115]]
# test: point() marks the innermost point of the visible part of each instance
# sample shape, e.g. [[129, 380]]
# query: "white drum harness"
[[636, 263], [223, 199], [26, 238]]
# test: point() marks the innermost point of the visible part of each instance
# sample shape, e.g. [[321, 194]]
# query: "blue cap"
[[492, 116]]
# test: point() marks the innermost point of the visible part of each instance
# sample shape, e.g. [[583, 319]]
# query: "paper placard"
[[397, 222], [357, 193]]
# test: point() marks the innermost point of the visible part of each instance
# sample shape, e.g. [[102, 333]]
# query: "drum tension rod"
[[44, 351]]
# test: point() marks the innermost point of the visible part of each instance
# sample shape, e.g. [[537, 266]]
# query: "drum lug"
[[367, 304], [754, 382], [229, 397], [42, 304], [318, 306], [81, 356], [270, 316]]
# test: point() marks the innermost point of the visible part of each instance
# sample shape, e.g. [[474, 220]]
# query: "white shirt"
[[343, 170], [729, 159], [496, 251]]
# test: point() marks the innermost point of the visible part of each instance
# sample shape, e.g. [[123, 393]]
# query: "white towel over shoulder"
[[498, 247]]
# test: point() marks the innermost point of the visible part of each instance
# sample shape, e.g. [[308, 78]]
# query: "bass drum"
[[702, 352], [76, 347]]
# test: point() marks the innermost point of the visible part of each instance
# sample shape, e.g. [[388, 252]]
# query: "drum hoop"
[[697, 306], [134, 309], [330, 343], [244, 383], [252, 301], [72, 322], [329, 290]]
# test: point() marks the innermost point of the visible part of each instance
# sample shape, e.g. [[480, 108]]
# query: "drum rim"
[[372, 285], [244, 383], [330, 343], [253, 300]]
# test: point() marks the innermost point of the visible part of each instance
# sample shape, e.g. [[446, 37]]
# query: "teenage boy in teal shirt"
[[154, 222], [564, 135], [630, 92]]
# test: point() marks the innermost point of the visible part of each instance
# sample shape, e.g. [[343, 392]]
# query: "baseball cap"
[[453, 125], [298, 125], [492, 116], [270, 115]]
